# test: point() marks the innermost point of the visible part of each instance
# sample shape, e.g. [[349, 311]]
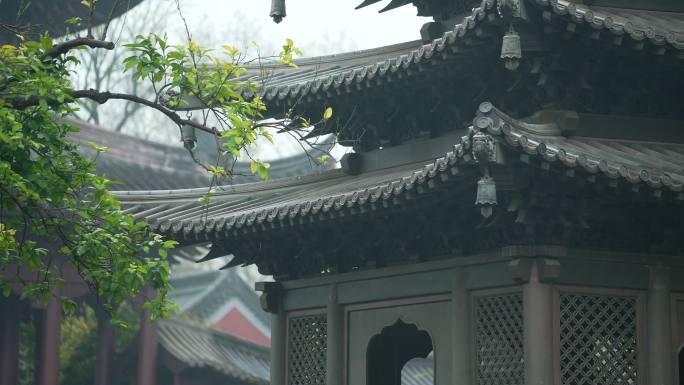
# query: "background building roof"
[[144, 165], [197, 346], [221, 298], [49, 15]]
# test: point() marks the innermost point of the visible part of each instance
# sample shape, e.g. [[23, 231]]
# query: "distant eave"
[[326, 77], [50, 15]]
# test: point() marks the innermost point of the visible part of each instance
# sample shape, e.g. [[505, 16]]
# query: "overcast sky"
[[318, 26]]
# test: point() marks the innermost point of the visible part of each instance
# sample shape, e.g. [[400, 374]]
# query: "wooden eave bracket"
[[512, 10], [271, 295], [216, 251]]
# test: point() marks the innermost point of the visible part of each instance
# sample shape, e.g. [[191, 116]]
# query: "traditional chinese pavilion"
[[513, 207]]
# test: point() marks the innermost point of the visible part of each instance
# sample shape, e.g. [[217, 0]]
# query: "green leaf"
[[97, 148], [169, 244], [262, 170], [205, 199], [69, 306], [73, 21]]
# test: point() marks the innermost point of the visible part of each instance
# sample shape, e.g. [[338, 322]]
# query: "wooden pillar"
[[538, 330], [177, 379], [105, 349], [37, 321], [335, 339], [272, 302], [10, 316], [47, 370], [278, 347], [147, 347], [658, 338], [460, 331]]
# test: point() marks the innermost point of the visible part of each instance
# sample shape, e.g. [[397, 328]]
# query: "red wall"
[[236, 324]]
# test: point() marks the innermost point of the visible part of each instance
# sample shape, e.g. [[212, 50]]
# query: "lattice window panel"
[[598, 340], [306, 350], [499, 340]]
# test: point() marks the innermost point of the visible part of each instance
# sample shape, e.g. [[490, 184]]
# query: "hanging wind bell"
[[510, 49], [486, 194], [278, 10], [188, 136]]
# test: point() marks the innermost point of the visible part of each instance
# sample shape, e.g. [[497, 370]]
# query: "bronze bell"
[[278, 10], [486, 195], [510, 49], [188, 136]]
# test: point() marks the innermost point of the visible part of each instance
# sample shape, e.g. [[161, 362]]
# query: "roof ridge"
[[313, 60], [251, 187]]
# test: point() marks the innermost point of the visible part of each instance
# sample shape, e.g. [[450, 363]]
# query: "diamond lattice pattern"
[[598, 340], [306, 350], [499, 340]]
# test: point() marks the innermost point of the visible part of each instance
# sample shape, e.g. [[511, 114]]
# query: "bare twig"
[[91, 10], [109, 19], [185, 23]]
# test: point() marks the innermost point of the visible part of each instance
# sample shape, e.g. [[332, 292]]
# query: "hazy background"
[[318, 27]]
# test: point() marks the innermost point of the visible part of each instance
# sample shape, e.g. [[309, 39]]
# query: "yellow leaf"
[[328, 113], [254, 167]]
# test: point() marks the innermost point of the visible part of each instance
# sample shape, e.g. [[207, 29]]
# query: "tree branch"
[[68, 45], [102, 97]]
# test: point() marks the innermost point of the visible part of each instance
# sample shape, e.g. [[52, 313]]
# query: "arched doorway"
[[390, 350]]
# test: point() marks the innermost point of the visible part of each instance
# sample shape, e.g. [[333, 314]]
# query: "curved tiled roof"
[[198, 346], [659, 28], [349, 72], [262, 206], [658, 165]]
